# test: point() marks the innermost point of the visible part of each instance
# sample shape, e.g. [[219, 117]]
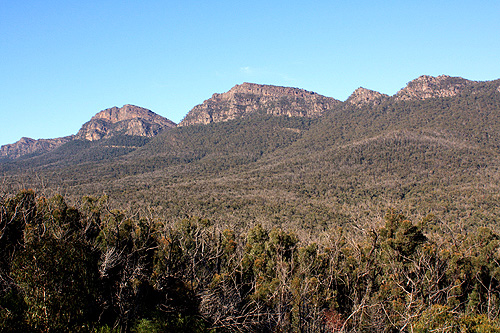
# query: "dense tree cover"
[[439, 156], [92, 268], [289, 235], [79, 152]]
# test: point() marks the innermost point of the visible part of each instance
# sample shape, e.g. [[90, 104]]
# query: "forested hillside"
[[98, 269], [436, 155], [379, 213]]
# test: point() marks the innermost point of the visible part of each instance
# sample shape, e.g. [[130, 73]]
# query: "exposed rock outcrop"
[[363, 96], [248, 98], [128, 120], [427, 86], [27, 146], [240, 101]]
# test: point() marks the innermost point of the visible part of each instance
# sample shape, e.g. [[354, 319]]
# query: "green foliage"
[[434, 156], [146, 325], [443, 319], [59, 283], [436, 318], [94, 268], [105, 329], [12, 309], [401, 235], [288, 230], [55, 270], [479, 324]]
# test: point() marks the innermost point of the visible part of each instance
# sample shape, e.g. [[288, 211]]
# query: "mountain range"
[[241, 100], [281, 155]]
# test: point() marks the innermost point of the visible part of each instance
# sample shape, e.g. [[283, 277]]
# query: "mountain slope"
[[437, 152], [249, 98], [427, 86], [363, 96], [28, 146], [127, 121]]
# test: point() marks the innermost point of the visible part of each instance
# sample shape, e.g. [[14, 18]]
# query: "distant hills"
[[280, 155], [128, 120], [240, 101], [249, 98], [27, 146]]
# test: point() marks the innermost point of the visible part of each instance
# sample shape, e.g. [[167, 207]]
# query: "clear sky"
[[61, 62]]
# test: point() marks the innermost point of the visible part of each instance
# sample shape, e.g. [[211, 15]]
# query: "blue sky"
[[63, 61]]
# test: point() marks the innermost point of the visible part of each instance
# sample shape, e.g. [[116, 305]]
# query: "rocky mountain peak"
[[362, 96], [248, 98], [129, 112], [427, 86], [269, 90], [31, 146], [128, 120]]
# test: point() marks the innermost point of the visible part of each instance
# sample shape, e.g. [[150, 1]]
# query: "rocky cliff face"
[[240, 101], [431, 87], [363, 96], [128, 120], [249, 98], [27, 146]]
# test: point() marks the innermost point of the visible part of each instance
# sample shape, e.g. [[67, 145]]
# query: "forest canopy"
[[93, 268], [378, 214]]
